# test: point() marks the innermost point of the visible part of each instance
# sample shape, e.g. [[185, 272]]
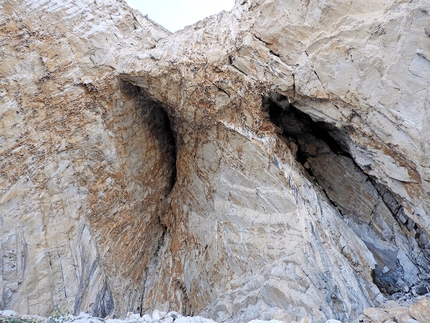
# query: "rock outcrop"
[[86, 161], [271, 162]]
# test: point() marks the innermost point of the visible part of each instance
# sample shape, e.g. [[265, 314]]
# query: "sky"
[[176, 14]]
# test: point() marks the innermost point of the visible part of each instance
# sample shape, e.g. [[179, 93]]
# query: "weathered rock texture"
[[268, 162], [86, 161]]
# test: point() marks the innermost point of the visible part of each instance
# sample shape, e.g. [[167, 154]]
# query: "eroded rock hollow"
[[268, 162]]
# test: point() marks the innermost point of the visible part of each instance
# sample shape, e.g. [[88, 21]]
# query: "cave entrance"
[[370, 209]]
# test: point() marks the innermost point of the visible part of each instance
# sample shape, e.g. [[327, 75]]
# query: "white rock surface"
[[289, 179], [77, 150], [7, 313]]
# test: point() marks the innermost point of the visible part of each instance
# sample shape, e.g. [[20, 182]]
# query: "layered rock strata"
[[271, 161]]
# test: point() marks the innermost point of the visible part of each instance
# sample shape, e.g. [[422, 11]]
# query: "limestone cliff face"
[[85, 161], [268, 162]]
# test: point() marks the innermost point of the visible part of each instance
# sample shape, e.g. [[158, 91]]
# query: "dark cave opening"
[[296, 125], [159, 152], [161, 125], [370, 208]]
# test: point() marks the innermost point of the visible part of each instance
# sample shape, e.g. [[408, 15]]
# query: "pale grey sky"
[[176, 14]]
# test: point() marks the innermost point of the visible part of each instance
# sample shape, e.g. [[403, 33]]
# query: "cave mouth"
[[154, 153], [371, 210], [161, 126], [301, 129]]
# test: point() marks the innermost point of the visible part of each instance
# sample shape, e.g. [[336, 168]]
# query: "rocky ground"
[[390, 312]]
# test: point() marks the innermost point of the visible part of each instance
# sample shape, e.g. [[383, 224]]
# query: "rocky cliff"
[[268, 162]]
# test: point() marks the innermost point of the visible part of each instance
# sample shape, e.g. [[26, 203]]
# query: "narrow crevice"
[[141, 308], [151, 269], [323, 152], [263, 41], [238, 69], [187, 308], [274, 54], [231, 63], [221, 89], [104, 304], [172, 144], [160, 244], [159, 179]]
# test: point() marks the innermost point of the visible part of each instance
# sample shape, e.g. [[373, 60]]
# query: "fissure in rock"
[[160, 126], [158, 181], [370, 209], [104, 304], [165, 134]]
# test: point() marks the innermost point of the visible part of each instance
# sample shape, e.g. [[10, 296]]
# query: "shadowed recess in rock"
[[370, 209], [154, 114], [145, 233], [104, 304]]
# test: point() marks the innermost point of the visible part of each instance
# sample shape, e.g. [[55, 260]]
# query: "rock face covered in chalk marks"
[[268, 162]]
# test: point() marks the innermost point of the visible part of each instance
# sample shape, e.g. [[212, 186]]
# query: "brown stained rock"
[[400, 313], [79, 151], [187, 195], [389, 312], [378, 315], [420, 310]]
